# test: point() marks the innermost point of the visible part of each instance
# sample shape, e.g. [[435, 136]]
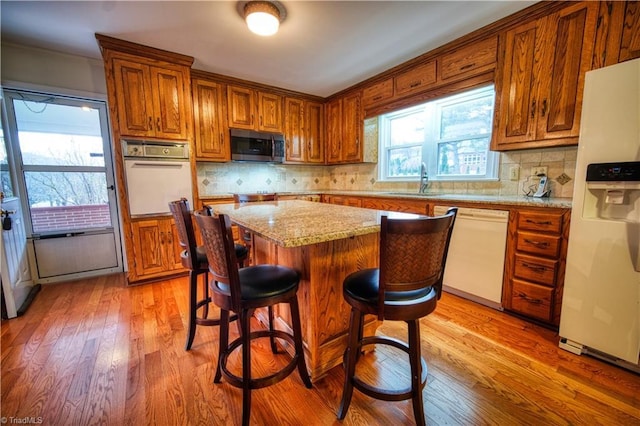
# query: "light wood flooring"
[[97, 352]]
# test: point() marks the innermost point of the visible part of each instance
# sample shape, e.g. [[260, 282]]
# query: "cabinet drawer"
[[415, 80], [473, 59], [540, 222], [532, 300], [536, 269], [545, 245], [377, 93]]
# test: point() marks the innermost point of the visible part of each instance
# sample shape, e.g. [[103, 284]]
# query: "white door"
[[15, 274], [61, 148]]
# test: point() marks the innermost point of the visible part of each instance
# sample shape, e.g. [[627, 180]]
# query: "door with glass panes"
[[62, 151]]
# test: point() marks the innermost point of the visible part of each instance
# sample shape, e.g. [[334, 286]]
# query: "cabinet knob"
[[150, 127], [544, 107], [158, 124]]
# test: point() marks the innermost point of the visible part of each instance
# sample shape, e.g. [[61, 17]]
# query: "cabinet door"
[[569, 45], [172, 248], [514, 116], [352, 128], [334, 130], [241, 107], [377, 93], [169, 103], [270, 112], [294, 129], [469, 61], [135, 106], [415, 80], [630, 42], [211, 135], [148, 246], [314, 132]]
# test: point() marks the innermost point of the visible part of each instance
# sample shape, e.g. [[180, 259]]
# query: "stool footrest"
[[387, 394], [259, 382]]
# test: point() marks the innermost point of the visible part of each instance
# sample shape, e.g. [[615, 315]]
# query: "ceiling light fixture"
[[263, 17]]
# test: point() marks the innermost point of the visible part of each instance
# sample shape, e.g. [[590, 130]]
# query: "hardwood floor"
[[95, 351]]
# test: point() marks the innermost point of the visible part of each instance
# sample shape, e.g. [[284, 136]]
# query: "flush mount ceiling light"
[[264, 17]]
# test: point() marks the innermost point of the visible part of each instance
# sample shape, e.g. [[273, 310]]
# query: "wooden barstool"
[[245, 235], [247, 238], [405, 287], [242, 291], [194, 258]]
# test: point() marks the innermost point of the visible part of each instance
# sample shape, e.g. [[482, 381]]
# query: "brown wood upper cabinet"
[[541, 78], [467, 61], [304, 129], [254, 110], [345, 129], [209, 115], [151, 98]]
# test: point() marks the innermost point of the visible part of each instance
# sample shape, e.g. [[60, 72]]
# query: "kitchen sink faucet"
[[424, 179]]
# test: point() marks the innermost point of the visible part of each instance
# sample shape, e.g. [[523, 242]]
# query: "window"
[[60, 145], [451, 136]]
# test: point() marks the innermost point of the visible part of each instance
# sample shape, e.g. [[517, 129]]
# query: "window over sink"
[[450, 135]]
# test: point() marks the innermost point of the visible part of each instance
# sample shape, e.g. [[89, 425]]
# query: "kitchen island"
[[324, 243]]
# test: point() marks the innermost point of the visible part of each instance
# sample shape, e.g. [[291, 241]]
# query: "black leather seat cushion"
[[263, 281], [241, 251], [363, 286]]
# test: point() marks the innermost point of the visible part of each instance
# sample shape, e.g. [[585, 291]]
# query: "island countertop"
[[296, 223]]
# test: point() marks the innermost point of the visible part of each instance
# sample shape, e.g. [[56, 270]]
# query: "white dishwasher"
[[475, 262]]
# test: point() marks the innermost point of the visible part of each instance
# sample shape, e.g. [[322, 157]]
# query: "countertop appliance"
[[156, 173], [475, 263], [247, 145], [601, 301]]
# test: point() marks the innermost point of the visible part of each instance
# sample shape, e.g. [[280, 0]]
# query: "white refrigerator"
[[601, 301]]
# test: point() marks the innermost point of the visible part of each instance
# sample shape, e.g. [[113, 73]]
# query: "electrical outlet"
[[539, 170], [514, 172]]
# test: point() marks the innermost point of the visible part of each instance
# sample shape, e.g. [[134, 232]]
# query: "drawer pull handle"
[[533, 108], [537, 243], [414, 84], [546, 222], [536, 268], [377, 98], [530, 300], [466, 67]]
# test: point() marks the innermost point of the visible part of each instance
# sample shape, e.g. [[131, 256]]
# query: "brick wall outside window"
[[70, 217]]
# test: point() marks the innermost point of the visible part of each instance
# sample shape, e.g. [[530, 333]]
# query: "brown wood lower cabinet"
[[156, 247], [535, 263]]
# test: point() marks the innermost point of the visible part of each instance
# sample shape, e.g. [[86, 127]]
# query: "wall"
[[222, 178], [37, 68]]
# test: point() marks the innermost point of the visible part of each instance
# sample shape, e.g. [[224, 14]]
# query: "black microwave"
[[247, 145]]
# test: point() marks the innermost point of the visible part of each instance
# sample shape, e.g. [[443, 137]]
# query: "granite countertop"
[[504, 200], [295, 223]]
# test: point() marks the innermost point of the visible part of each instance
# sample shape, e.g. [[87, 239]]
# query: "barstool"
[[247, 238], [405, 287], [194, 259], [250, 198], [242, 291]]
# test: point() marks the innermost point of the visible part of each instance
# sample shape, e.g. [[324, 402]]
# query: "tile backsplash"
[[225, 178]]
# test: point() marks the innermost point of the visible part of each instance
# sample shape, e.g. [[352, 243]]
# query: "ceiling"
[[322, 46]]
